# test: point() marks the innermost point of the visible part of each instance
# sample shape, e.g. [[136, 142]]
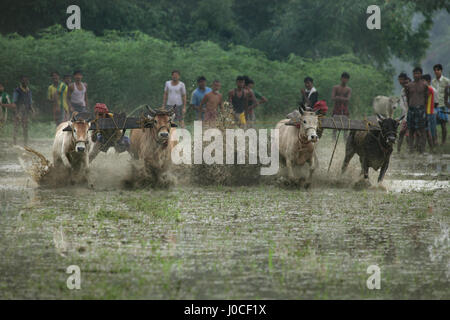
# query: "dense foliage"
[[126, 70], [311, 29]]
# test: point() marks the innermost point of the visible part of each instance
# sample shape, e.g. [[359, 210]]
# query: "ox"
[[297, 142], [70, 148], [374, 147], [153, 143], [385, 105]]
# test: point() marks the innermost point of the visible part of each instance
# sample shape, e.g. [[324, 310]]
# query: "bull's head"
[[161, 123], [389, 128], [394, 102], [80, 127], [308, 124]]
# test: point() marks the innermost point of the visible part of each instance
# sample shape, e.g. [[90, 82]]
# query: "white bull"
[[70, 148], [385, 105], [297, 143]]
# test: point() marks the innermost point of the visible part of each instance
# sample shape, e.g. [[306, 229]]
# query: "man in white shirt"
[[175, 95], [440, 83]]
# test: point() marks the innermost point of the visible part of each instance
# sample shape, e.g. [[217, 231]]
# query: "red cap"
[[101, 107]]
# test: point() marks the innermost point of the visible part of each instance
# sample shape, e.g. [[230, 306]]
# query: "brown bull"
[[153, 144], [297, 143]]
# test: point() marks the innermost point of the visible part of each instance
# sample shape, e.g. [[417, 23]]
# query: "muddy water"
[[259, 242]]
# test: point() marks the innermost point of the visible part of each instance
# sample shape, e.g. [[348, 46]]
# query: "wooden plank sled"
[[340, 122]]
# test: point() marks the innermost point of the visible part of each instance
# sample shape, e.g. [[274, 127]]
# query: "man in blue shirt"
[[197, 97]]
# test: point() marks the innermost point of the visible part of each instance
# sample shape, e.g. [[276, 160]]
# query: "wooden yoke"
[[340, 122]]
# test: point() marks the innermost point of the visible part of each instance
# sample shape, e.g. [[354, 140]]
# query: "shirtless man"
[[417, 97], [213, 101], [341, 95]]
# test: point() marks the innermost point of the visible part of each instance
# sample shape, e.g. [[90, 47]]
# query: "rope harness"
[[380, 144], [304, 138]]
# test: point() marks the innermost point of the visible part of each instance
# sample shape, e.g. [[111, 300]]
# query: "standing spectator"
[[257, 99], [309, 94], [431, 116], [5, 104], [23, 101], [440, 83], [239, 98], [341, 95], [67, 79], [77, 94], [52, 95], [447, 105], [175, 96], [403, 79], [55, 97], [417, 96], [213, 102], [197, 97]]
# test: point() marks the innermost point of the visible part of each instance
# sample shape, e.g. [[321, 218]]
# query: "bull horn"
[[90, 118], [151, 111], [171, 110], [301, 109], [74, 116], [380, 117]]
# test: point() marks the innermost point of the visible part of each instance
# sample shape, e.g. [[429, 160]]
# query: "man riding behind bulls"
[[107, 138]]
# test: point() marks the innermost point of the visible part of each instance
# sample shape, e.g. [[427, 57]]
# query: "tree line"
[[310, 29], [125, 70]]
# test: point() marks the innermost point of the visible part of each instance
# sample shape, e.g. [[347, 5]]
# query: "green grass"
[[160, 208]]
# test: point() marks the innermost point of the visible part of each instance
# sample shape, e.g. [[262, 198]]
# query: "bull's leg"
[[84, 169], [314, 164], [290, 169], [349, 153], [365, 168], [400, 139], [312, 167], [383, 170], [65, 160], [86, 164]]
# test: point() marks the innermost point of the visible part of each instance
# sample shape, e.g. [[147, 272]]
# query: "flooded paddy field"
[[265, 241]]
